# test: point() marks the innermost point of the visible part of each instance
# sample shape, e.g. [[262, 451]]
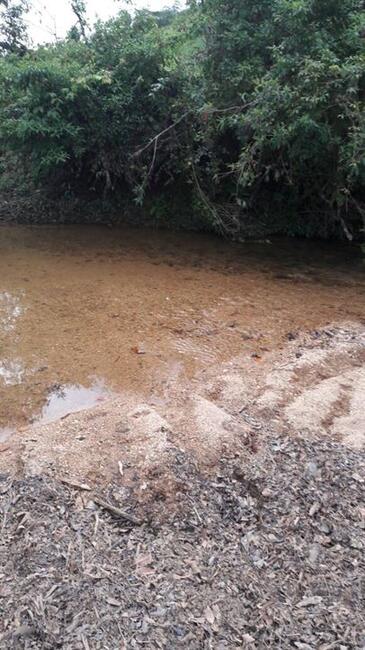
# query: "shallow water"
[[86, 312]]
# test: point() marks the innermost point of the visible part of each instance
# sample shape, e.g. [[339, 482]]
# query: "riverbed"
[[89, 313]]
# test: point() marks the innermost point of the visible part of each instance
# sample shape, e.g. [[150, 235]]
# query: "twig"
[[153, 158], [116, 511], [96, 524], [74, 484], [230, 108], [85, 642], [345, 229], [217, 219]]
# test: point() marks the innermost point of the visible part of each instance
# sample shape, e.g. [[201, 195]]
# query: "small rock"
[[312, 469], [325, 527], [159, 611], [179, 631], [266, 492]]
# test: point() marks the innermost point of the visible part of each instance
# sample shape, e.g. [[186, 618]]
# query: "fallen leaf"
[[208, 612], [311, 600], [113, 601], [143, 562], [248, 638], [137, 349], [314, 509]]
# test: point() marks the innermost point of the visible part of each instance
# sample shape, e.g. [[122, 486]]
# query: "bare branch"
[[159, 135], [203, 109]]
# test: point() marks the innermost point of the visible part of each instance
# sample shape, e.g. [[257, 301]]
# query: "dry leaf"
[[113, 601], [311, 600], [208, 612]]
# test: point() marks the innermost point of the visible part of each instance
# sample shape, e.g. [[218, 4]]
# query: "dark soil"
[[266, 554]]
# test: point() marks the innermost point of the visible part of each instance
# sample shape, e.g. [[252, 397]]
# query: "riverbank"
[[33, 206], [224, 532], [181, 442], [311, 386]]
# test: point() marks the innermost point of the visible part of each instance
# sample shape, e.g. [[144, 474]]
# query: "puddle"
[[11, 372], [5, 434], [133, 305], [65, 399], [10, 309]]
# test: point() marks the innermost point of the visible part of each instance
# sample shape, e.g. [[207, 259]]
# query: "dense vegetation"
[[244, 113]]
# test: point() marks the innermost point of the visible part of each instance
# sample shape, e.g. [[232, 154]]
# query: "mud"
[[311, 388]]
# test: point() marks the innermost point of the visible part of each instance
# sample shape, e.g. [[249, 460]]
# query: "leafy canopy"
[[250, 110]]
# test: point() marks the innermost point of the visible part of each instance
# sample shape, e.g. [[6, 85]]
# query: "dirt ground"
[[231, 515]]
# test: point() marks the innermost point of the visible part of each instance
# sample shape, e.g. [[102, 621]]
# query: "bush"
[[250, 110]]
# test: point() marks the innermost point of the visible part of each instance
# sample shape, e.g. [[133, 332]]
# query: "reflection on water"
[[10, 309], [132, 305], [5, 433], [11, 372], [66, 399]]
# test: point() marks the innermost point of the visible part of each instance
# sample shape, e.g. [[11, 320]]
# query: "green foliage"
[[80, 110], [295, 71], [13, 32], [253, 109]]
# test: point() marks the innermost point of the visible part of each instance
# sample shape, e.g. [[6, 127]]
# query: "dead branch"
[[75, 484], [203, 109], [116, 511], [159, 135]]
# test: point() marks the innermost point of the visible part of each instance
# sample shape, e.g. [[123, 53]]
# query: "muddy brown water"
[[88, 312]]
